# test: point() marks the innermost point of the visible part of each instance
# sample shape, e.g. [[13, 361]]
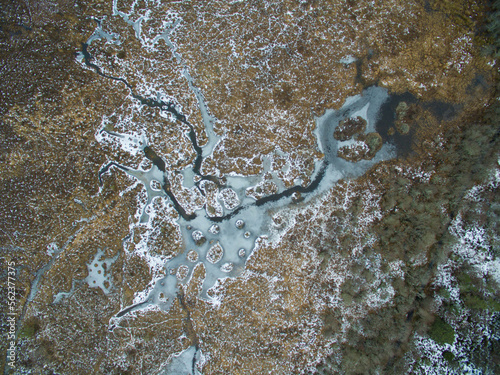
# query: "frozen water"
[[224, 247], [99, 272], [188, 175], [349, 59], [218, 240], [366, 106], [99, 33], [184, 363]]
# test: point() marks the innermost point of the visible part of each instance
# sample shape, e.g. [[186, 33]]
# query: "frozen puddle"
[[99, 272]]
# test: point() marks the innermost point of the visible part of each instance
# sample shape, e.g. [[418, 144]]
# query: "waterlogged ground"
[[253, 188]]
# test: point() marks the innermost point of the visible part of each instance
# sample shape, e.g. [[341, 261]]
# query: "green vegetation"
[[448, 356], [29, 329], [414, 228], [473, 292], [473, 301], [493, 29], [442, 332]]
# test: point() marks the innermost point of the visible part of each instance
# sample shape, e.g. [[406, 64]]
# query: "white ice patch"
[[349, 59], [133, 143], [363, 113], [396, 269], [185, 363], [100, 272], [446, 280], [52, 249], [415, 173]]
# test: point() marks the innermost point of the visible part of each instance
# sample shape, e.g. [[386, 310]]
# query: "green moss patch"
[[441, 332], [448, 356], [29, 329], [474, 301]]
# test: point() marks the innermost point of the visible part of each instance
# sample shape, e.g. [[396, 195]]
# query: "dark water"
[[386, 120], [387, 117]]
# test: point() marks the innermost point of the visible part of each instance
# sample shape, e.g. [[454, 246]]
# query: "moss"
[[401, 109], [404, 128], [474, 301], [444, 293], [441, 332], [374, 142], [472, 296], [465, 283], [448, 356], [30, 328], [493, 31]]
